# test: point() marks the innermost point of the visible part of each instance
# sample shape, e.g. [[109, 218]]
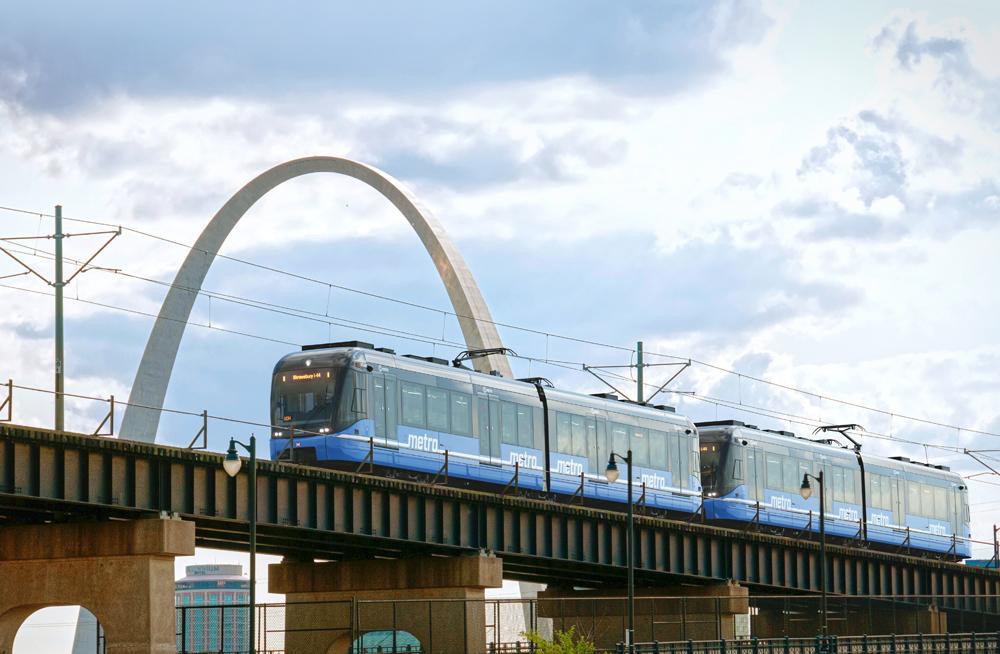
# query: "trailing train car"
[[755, 476], [347, 405]]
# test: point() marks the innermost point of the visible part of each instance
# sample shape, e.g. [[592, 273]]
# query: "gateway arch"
[[142, 417]]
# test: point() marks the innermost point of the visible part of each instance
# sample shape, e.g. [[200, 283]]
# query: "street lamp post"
[[806, 492], [612, 474], [232, 465]]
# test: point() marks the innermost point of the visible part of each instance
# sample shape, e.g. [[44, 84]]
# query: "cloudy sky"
[[803, 193]]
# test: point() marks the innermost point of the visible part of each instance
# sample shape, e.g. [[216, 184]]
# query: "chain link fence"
[[679, 625]]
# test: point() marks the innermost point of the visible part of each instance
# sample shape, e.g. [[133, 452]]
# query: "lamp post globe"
[[611, 473], [806, 490], [232, 463]]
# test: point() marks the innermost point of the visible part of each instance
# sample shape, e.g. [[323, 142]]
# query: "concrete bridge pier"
[[121, 571], [664, 614], [442, 627]]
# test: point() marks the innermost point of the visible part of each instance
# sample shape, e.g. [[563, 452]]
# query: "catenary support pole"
[[60, 398], [638, 391]]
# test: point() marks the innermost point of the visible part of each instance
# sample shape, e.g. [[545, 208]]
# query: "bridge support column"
[[664, 614], [329, 605], [122, 572]]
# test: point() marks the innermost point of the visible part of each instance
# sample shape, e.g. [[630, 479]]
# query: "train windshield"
[[305, 399], [713, 462]]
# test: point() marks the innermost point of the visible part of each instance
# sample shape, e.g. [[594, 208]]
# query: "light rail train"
[[755, 476], [351, 406]]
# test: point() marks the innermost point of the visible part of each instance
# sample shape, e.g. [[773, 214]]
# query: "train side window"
[[564, 436], [619, 439], [838, 484], [640, 449], [926, 501], [508, 423], [875, 501], [772, 468], [789, 468], [940, 504], [578, 427], [737, 464], [413, 404], [752, 473], [525, 434], [461, 414], [886, 493], [657, 449], [437, 409], [912, 498], [849, 495]]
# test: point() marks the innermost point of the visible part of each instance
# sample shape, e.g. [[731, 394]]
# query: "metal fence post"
[[972, 644], [787, 649], [818, 646], [920, 643], [864, 644], [947, 643], [690, 646], [892, 638]]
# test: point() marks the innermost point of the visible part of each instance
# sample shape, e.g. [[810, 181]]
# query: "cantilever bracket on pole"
[[970, 453], [9, 402], [513, 480], [203, 432], [111, 417], [685, 367], [591, 371], [83, 266]]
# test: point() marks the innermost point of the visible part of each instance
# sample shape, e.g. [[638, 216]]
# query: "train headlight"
[[277, 433]]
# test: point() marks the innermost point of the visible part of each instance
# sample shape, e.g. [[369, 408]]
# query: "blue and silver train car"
[[752, 475], [347, 405]]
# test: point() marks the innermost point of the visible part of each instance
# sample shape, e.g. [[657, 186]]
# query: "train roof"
[[822, 445]]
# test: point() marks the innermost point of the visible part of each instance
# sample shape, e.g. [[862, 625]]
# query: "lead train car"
[[756, 475], [342, 403]]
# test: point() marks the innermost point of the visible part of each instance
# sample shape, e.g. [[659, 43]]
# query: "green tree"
[[562, 642]]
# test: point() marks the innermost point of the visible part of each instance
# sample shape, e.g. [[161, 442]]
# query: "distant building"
[[206, 624]]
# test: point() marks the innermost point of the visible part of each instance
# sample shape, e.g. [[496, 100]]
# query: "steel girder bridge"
[[308, 513]]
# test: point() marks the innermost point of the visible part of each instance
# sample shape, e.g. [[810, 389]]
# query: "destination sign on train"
[[304, 376]]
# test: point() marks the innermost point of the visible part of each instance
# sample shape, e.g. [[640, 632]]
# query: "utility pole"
[[60, 387], [638, 386], [59, 286]]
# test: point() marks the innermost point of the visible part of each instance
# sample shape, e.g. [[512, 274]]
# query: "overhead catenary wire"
[[434, 340]]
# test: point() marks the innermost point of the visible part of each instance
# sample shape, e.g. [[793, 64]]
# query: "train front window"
[[305, 399], [711, 462]]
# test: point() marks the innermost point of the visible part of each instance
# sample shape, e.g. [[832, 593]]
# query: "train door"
[[755, 472], [896, 488], [384, 406], [597, 449], [955, 509], [489, 427]]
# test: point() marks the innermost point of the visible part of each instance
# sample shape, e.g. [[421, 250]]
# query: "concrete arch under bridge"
[[142, 417]]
